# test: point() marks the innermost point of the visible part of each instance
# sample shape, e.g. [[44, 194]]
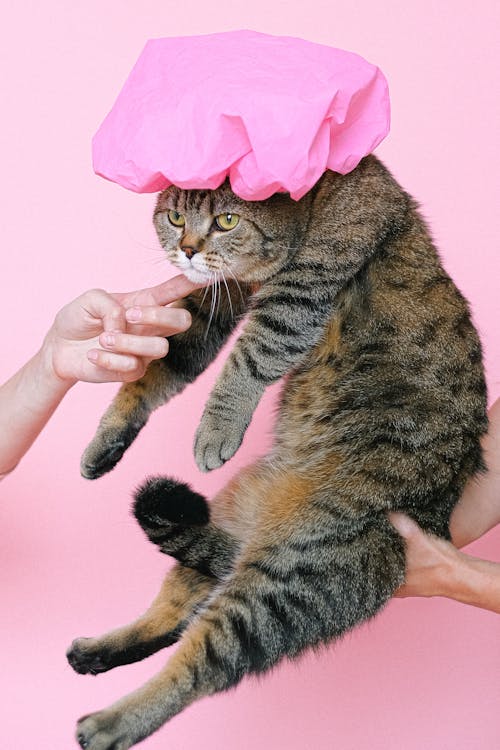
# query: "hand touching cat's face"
[[210, 234]]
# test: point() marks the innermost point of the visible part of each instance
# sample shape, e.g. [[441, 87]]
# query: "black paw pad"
[[162, 500], [86, 662]]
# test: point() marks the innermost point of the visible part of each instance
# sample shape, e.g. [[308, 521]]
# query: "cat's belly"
[[304, 425], [263, 498]]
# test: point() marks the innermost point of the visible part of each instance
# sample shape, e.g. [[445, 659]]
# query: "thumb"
[[404, 524], [101, 306]]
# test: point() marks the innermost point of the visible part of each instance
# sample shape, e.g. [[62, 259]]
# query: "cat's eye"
[[227, 221], [177, 219]]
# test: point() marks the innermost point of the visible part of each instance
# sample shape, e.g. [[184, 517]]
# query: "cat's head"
[[210, 233]]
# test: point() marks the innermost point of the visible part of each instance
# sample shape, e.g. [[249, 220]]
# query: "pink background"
[[425, 673]]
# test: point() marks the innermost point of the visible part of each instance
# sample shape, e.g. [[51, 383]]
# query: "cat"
[[382, 408]]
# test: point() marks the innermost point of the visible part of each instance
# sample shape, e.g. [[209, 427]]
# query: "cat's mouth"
[[199, 277], [195, 267]]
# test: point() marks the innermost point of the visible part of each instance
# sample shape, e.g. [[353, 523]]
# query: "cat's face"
[[212, 233]]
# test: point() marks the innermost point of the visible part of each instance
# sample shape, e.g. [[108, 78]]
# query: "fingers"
[[149, 347], [113, 316], [404, 524], [126, 355], [88, 314], [163, 294], [173, 289], [100, 305], [164, 321], [117, 367]]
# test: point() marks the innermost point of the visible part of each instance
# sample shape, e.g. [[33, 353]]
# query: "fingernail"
[[92, 355], [109, 339], [133, 314]]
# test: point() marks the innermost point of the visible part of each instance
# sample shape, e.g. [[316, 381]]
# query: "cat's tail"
[[177, 520]]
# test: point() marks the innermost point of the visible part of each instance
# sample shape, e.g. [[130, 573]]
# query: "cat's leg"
[[189, 354], [126, 416], [177, 520], [287, 321], [182, 592], [279, 601]]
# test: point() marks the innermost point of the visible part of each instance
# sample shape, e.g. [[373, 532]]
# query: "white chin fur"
[[196, 276]]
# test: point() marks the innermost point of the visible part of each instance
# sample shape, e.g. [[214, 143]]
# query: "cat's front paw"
[[216, 442], [106, 730], [104, 452]]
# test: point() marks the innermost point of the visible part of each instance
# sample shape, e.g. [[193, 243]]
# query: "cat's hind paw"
[[84, 658], [96, 655], [105, 730]]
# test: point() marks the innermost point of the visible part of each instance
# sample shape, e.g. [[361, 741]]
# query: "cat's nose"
[[189, 250]]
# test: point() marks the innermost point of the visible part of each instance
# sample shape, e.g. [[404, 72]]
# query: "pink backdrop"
[[425, 673]]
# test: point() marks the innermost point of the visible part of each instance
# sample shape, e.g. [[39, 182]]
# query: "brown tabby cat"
[[382, 408]]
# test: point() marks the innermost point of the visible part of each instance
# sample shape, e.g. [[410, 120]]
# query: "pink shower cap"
[[272, 113]]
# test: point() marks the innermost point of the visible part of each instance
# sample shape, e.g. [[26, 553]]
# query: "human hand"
[[431, 562], [102, 337]]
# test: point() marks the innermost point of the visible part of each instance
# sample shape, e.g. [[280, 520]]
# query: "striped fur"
[[382, 408]]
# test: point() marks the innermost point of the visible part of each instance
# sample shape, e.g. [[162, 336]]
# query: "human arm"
[[76, 348], [478, 510], [436, 567]]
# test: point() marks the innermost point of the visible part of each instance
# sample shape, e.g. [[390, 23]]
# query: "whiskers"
[[228, 294], [217, 284], [216, 277], [235, 281], [157, 261], [215, 291]]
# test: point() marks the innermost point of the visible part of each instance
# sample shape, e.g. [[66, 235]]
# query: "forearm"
[[27, 402], [98, 338], [473, 581], [479, 507]]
